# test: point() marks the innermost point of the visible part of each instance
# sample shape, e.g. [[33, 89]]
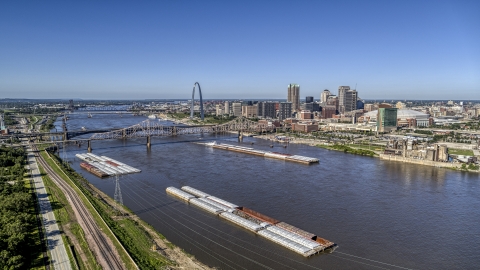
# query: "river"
[[382, 214]]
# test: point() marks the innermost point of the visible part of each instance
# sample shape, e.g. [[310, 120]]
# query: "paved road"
[[56, 247]]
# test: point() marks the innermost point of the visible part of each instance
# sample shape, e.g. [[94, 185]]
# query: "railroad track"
[[103, 250]]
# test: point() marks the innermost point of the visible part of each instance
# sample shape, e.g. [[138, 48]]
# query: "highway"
[[58, 254], [103, 249]]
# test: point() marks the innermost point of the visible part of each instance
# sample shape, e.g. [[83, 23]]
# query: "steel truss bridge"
[[152, 128]]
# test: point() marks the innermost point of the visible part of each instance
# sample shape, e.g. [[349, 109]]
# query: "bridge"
[[149, 128]]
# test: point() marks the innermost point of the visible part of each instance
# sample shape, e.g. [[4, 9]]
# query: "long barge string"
[[130, 180], [279, 232], [267, 154]]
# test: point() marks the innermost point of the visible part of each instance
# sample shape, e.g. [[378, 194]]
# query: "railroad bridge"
[[150, 128]]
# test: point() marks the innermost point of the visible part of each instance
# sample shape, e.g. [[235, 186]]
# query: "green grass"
[[368, 147], [64, 214], [102, 213], [37, 259], [463, 152], [98, 219], [347, 149]]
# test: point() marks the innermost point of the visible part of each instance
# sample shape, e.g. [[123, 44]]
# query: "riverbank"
[[148, 248], [378, 154]]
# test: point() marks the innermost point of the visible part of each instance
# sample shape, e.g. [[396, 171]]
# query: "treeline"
[[17, 216]]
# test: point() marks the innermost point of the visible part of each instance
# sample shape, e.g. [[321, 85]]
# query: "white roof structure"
[[401, 114]]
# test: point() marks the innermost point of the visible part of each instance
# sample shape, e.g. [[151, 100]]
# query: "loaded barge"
[[103, 166], [268, 154], [286, 235]]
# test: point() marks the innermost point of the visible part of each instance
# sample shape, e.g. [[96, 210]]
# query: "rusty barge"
[[103, 166], [286, 235], [267, 154]]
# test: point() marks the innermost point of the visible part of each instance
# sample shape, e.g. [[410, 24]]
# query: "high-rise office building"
[[342, 90], [386, 119], [237, 109], [218, 110], [294, 96], [308, 99], [350, 100], [285, 110], [324, 95], [226, 110]]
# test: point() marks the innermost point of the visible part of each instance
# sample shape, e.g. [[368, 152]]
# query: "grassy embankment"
[[348, 149], [129, 232], [463, 152], [66, 221], [37, 258]]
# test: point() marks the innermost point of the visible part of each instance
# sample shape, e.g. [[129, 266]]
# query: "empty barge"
[[103, 166], [268, 154], [286, 235]]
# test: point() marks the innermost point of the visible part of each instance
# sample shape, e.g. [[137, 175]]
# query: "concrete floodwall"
[[420, 161]]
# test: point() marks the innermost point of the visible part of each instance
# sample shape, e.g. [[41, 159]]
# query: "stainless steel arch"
[[193, 100]]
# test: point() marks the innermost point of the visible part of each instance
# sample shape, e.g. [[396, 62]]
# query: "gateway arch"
[[193, 101]]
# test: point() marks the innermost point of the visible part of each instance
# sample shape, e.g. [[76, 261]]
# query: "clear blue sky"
[[239, 49]]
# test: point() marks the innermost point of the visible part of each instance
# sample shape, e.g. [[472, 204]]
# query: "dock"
[[103, 166], [267, 154], [286, 235]]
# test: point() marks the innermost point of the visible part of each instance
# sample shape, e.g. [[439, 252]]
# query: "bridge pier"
[[89, 148], [174, 131], [240, 136], [149, 141]]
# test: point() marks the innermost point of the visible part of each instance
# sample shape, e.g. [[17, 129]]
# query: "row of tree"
[[17, 214]]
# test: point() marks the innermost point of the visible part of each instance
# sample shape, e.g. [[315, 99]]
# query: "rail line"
[[104, 250]]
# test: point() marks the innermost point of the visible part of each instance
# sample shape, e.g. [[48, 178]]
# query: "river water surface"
[[382, 214]]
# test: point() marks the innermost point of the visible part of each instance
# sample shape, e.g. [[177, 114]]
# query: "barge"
[[268, 154], [104, 166], [286, 235]]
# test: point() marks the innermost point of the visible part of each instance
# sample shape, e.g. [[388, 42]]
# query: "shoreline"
[[437, 164]]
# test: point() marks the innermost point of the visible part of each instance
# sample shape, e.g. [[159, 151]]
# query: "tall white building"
[[294, 96], [324, 95], [237, 109], [226, 109]]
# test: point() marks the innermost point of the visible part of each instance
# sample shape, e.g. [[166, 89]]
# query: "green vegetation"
[[427, 132], [65, 216], [49, 124], [368, 147], [9, 121], [127, 231], [347, 149], [471, 167], [19, 241], [463, 152]]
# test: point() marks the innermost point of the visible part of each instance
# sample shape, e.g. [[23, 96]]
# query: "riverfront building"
[[285, 110], [266, 110], [387, 119], [237, 109]]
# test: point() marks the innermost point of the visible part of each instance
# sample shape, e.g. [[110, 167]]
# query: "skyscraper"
[[342, 97], [324, 95], [294, 96], [266, 110], [308, 99], [350, 100], [226, 110]]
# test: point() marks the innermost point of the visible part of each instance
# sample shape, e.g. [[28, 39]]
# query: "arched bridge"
[[149, 128]]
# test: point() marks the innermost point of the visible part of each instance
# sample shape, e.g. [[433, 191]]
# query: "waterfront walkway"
[[56, 248]]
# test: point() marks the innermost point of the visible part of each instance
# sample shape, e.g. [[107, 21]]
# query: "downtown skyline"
[[248, 50]]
